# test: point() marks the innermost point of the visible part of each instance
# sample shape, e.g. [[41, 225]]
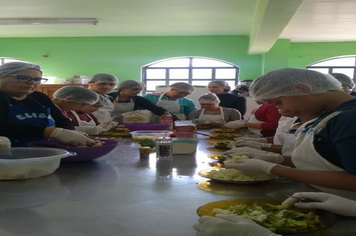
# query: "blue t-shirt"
[[185, 104], [336, 141]]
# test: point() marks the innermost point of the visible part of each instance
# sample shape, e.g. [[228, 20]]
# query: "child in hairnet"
[[27, 115], [324, 154], [85, 121], [212, 113]]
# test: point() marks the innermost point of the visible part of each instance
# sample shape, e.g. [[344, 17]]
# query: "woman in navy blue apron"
[[27, 115]]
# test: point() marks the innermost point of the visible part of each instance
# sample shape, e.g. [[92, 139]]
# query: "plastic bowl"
[[147, 126], [83, 153], [25, 163], [151, 134]]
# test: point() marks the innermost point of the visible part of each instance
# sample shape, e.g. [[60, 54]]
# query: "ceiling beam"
[[270, 19]]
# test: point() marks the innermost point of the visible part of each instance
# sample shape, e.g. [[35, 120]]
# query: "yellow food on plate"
[[215, 156], [217, 130], [236, 175], [229, 136]]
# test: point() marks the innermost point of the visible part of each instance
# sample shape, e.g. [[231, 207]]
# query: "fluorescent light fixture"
[[48, 21]]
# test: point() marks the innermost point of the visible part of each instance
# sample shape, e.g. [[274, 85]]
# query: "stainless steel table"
[[119, 194]]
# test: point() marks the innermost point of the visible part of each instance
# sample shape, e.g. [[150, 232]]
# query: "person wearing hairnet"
[[212, 113], [102, 84], [324, 154], [174, 100], [27, 115], [346, 82], [126, 99], [226, 225], [221, 89], [84, 120]]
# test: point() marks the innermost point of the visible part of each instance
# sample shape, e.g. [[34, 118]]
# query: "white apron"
[[251, 132], [208, 117], [284, 124], [171, 106], [122, 107], [103, 114], [83, 123], [305, 157]]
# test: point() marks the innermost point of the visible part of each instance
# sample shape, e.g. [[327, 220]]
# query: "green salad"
[[277, 218]]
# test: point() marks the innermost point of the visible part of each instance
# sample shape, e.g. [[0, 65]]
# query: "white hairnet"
[[11, 67], [344, 79], [129, 84], [222, 84], [183, 86], [209, 98], [292, 82], [76, 94], [104, 78]]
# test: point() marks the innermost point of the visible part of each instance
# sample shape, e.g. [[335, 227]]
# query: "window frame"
[[190, 68]]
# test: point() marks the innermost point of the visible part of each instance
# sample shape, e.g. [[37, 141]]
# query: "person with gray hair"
[[324, 154], [27, 115], [174, 100], [126, 100], [102, 84], [211, 113], [221, 88], [346, 82]]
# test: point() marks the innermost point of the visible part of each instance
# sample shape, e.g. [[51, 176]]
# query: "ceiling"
[[264, 21]]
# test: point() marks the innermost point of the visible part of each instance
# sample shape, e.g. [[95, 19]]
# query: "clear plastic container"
[[184, 145], [24, 163], [152, 134]]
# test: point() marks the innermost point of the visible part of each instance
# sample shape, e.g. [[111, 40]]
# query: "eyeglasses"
[[25, 79]]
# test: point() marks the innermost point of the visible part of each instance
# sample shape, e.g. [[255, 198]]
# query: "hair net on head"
[[183, 86], [344, 79], [11, 67], [76, 94], [209, 98], [129, 84], [104, 78], [291, 82], [222, 84]]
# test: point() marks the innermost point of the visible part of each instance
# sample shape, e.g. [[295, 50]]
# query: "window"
[[193, 70], [344, 64]]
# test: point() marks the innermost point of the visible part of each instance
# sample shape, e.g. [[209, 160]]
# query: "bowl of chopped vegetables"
[[101, 148]]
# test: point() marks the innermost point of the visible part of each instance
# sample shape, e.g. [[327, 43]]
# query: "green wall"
[[303, 54], [124, 56]]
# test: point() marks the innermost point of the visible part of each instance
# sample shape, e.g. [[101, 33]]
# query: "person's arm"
[[188, 104], [146, 104], [233, 115], [194, 115], [272, 117]]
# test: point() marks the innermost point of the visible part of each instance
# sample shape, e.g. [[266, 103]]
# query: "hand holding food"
[[109, 125], [252, 144], [70, 137], [252, 166], [256, 154], [325, 201], [261, 140], [235, 124], [226, 225], [91, 130]]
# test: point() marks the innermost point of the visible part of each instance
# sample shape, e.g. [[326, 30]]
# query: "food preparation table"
[[119, 194]]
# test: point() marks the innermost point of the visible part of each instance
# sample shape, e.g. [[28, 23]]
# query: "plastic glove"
[[253, 144], [251, 165], [229, 225], [109, 125], [235, 124], [325, 201], [71, 137], [255, 154], [91, 130], [260, 140]]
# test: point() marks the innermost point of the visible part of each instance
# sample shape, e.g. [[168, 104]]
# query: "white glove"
[[261, 140], [70, 137], [235, 124], [253, 144], [109, 125], [91, 130], [255, 154], [252, 166], [229, 225], [325, 201]]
